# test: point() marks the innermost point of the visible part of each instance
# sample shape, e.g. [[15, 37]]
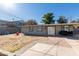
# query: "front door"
[[51, 30]]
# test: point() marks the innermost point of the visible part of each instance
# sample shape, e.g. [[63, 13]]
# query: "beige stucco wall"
[[36, 30], [24, 29], [58, 28], [44, 30]]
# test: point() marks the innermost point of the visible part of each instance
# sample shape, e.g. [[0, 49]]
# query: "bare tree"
[[31, 22]]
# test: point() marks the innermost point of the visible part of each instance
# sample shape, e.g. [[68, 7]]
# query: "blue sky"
[[35, 11]]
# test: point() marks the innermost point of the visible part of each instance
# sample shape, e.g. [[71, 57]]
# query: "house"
[[48, 29], [9, 27]]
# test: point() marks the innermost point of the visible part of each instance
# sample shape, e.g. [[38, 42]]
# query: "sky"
[[26, 11]]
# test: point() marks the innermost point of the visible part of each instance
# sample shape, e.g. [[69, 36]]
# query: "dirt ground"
[[12, 42]]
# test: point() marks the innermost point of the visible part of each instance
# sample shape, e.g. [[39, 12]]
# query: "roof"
[[63, 24]]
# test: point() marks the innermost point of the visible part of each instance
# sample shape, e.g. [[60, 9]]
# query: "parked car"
[[66, 33]]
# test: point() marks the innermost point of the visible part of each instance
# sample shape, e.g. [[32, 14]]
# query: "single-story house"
[[48, 29], [10, 27], [7, 30]]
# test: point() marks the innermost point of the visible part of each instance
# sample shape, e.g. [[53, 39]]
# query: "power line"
[[13, 16]]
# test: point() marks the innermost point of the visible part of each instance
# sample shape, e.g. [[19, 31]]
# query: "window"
[[39, 29], [30, 29], [66, 28]]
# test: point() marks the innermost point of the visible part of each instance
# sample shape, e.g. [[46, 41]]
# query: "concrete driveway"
[[53, 46]]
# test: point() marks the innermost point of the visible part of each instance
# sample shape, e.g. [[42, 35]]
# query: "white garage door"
[[51, 30]]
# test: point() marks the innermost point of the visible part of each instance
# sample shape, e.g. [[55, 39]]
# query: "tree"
[[75, 21], [31, 22], [48, 18], [62, 19]]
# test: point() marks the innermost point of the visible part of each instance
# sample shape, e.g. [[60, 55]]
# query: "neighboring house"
[[47, 29], [76, 32], [9, 27]]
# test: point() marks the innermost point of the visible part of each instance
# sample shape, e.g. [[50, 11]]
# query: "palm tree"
[[62, 19], [48, 18]]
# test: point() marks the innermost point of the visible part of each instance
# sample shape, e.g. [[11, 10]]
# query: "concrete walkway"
[[59, 47]]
